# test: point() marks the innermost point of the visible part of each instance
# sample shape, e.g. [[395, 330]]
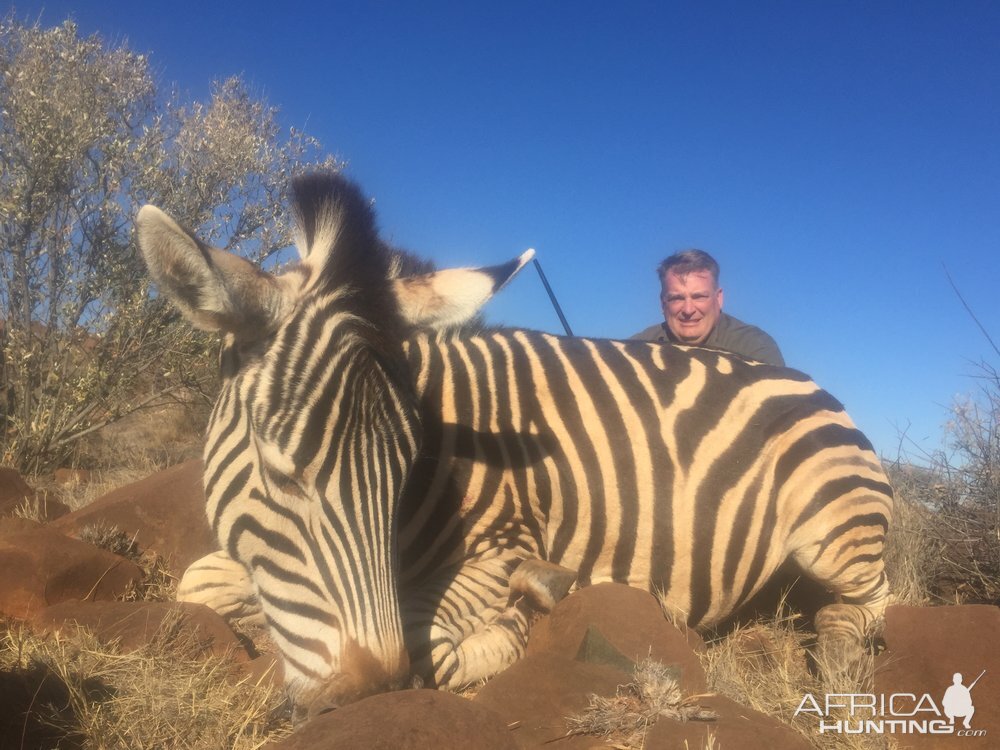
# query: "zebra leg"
[[855, 571], [480, 627], [542, 583], [222, 584]]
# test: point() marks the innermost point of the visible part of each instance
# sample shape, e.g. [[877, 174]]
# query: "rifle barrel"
[[552, 296]]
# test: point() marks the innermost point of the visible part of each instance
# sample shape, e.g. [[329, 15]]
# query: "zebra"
[[400, 490]]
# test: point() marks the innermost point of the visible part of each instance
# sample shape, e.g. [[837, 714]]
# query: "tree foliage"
[[87, 137]]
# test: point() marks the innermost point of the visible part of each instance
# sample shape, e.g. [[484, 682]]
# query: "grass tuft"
[[158, 584], [767, 666], [624, 719], [71, 691]]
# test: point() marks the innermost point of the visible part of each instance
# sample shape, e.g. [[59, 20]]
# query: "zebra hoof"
[[543, 584]]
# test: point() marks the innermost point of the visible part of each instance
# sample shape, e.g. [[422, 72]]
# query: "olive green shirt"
[[730, 335]]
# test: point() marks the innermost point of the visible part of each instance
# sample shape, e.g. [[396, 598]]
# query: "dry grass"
[[913, 553], [938, 552], [73, 692], [158, 584], [768, 666], [101, 482], [104, 481], [33, 508], [128, 451], [624, 720], [710, 743], [161, 437]]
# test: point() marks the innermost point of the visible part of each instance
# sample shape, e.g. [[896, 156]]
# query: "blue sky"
[[834, 157]]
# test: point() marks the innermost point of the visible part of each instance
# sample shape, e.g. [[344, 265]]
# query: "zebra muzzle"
[[361, 674]]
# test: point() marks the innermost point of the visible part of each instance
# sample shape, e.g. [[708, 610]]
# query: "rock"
[[165, 512], [407, 720], [632, 622], [265, 669], [736, 726], [16, 524], [52, 509], [13, 491], [925, 647], [540, 691], [570, 658], [39, 568], [200, 631], [45, 507], [16, 493]]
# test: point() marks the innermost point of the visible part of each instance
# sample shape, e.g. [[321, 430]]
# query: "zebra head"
[[315, 428]]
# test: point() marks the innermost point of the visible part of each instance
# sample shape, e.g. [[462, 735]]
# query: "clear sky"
[[834, 157]]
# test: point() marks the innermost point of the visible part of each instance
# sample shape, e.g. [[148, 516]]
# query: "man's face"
[[692, 304]]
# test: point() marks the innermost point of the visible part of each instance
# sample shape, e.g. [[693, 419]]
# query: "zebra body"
[[687, 472], [405, 499]]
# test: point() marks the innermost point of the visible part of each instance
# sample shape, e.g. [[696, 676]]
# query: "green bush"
[[87, 137]]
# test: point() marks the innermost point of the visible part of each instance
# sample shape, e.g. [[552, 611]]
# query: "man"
[[692, 311], [957, 700]]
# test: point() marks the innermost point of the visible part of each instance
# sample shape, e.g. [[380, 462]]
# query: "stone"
[[538, 693], [40, 567], [736, 726], [164, 512], [265, 669], [926, 647], [13, 491], [44, 506], [135, 624], [405, 720], [630, 620], [16, 524]]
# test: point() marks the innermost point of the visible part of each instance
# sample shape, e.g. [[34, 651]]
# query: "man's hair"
[[686, 261]]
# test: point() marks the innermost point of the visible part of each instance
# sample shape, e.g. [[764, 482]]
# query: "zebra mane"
[[337, 237], [392, 290], [334, 218], [335, 229], [403, 263]]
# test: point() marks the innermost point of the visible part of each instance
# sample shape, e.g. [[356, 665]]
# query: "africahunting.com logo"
[[896, 713]]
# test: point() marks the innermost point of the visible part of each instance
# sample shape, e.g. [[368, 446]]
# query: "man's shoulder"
[[734, 335], [653, 333], [730, 325]]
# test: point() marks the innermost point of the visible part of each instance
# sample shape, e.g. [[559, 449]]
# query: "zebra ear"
[[214, 289], [453, 296]]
